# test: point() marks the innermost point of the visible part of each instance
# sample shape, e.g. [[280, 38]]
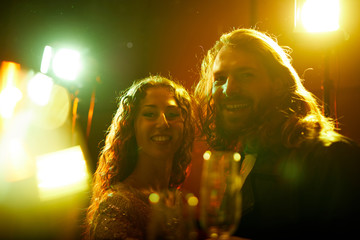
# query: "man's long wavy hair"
[[291, 118], [119, 155]]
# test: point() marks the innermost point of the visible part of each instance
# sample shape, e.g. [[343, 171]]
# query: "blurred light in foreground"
[[61, 173], [207, 155], [65, 63], [39, 89], [317, 15], [237, 157], [56, 111], [9, 72], [10, 95], [15, 160], [46, 59], [193, 201], [154, 198]]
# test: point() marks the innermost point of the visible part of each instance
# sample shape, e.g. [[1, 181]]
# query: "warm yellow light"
[[9, 97], [193, 201], [67, 64], [55, 113], [154, 198], [320, 15], [236, 157], [207, 155], [9, 73], [39, 89], [61, 173], [14, 159]]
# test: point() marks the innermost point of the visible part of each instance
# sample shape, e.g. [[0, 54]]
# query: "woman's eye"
[[172, 115], [149, 114]]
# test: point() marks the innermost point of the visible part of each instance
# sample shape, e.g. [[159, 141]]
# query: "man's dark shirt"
[[310, 192]]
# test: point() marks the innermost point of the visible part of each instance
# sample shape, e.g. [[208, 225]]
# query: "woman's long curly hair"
[[289, 120], [119, 155]]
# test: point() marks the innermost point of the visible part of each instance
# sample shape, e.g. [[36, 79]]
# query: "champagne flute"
[[171, 216], [220, 194]]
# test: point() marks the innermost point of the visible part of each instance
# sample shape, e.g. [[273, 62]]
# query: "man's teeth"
[[160, 138], [236, 106]]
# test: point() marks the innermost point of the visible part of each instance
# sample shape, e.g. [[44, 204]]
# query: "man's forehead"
[[229, 58]]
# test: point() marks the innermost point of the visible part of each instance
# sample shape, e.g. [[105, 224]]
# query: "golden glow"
[[10, 95], [39, 89], [67, 64], [61, 173], [236, 157], [54, 114], [15, 160], [9, 72], [193, 201], [207, 155], [154, 198], [319, 15]]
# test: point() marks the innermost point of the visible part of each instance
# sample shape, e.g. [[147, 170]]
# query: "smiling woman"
[[147, 149]]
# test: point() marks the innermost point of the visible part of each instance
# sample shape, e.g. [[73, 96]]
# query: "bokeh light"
[[317, 15], [39, 89], [61, 173], [67, 64], [207, 155]]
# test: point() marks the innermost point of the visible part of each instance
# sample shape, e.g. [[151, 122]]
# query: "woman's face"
[[159, 124]]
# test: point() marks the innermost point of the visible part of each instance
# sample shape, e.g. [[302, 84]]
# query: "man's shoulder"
[[334, 145]]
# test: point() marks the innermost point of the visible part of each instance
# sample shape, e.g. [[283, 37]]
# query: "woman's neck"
[[150, 174]]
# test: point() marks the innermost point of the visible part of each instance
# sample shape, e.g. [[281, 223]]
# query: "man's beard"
[[250, 131]]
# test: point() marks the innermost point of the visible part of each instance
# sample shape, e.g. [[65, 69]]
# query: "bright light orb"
[[193, 201], [39, 89], [67, 64], [237, 157], [154, 198], [207, 155], [320, 15]]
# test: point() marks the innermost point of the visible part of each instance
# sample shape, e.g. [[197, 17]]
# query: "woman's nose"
[[162, 122]]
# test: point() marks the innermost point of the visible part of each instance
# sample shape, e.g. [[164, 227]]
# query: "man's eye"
[[244, 75], [219, 80]]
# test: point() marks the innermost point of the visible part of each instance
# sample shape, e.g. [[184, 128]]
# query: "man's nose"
[[162, 122], [232, 86]]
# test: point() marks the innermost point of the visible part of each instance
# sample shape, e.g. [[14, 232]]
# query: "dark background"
[[125, 40]]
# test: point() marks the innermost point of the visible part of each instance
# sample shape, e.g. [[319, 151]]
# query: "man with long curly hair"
[[305, 177]]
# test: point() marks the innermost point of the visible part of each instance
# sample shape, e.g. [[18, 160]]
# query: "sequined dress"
[[126, 213]]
